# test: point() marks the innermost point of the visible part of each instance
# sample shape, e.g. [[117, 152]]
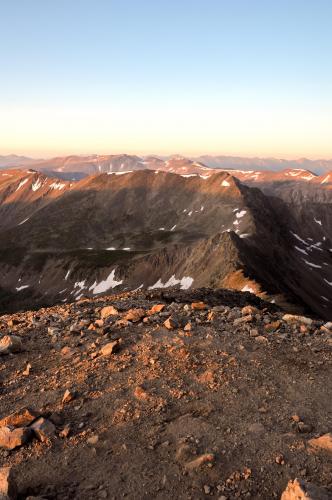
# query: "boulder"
[[8, 487], [300, 490], [20, 418], [43, 429], [10, 344], [322, 443], [11, 438]]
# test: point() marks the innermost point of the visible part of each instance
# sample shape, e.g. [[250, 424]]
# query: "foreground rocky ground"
[[165, 394]]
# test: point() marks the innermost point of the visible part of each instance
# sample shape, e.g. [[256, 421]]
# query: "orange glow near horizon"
[[47, 132]]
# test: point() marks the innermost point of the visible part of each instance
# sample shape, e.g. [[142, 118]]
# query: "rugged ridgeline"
[[151, 229], [165, 394]]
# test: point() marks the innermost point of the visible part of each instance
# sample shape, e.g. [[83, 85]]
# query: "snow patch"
[[104, 285], [23, 221], [241, 214], [312, 265], [184, 283], [19, 288], [36, 185], [225, 183], [301, 250], [57, 185], [22, 184]]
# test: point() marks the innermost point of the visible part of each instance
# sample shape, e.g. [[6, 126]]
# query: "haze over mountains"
[[132, 222], [80, 165]]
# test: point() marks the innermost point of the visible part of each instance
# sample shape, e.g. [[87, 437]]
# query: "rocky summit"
[[187, 394]]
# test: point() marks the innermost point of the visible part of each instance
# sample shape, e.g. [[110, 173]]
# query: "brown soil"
[[241, 391]]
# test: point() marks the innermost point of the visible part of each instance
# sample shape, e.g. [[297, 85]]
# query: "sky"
[[234, 77]]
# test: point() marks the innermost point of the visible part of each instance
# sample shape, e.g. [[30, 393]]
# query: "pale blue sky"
[[247, 77]]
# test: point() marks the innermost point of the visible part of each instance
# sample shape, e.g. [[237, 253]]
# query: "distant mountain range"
[[78, 166], [157, 223]]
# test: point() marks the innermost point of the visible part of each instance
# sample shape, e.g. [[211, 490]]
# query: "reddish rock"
[[323, 443], [246, 310], [157, 308], [134, 315], [141, 394], [274, 325], [290, 318], [11, 438], [300, 490], [108, 311], [170, 323], [20, 418], [110, 348], [8, 487], [199, 461], [68, 396], [198, 306], [10, 344]]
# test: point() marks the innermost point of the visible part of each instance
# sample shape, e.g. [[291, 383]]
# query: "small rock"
[[121, 322], [26, 372], [293, 318], [8, 486], [170, 323], [302, 427], [68, 396], [108, 311], [157, 308], [198, 306], [280, 459], [110, 348], [93, 439], [188, 327], [134, 315], [300, 490], [254, 333], [10, 344], [249, 310], [244, 319], [199, 461], [261, 339], [13, 438], [207, 489], [43, 428], [65, 431], [141, 394], [271, 327]]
